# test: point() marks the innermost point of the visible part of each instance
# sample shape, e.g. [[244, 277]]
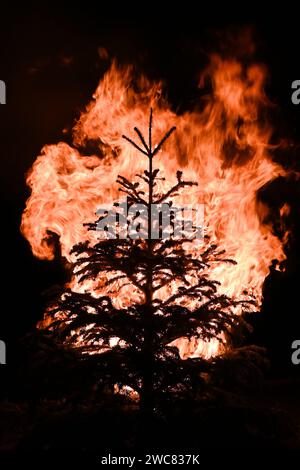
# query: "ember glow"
[[223, 144]]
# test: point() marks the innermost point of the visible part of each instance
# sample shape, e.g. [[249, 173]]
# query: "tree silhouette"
[[142, 356]]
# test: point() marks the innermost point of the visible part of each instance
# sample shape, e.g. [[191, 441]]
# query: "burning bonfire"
[[223, 145]]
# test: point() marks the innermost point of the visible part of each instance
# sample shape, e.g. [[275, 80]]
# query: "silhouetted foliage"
[[143, 357]]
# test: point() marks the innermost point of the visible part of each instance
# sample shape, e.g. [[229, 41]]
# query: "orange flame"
[[223, 144]]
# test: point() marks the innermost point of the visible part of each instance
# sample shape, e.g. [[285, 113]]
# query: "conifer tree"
[[143, 356]]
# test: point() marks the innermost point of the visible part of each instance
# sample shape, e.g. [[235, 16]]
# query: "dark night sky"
[[45, 95]]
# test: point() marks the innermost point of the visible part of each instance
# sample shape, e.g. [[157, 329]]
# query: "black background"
[[45, 95]]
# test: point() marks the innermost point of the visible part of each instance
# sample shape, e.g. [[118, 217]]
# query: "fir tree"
[[143, 357]]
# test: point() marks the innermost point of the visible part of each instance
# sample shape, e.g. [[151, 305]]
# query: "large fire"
[[223, 144]]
